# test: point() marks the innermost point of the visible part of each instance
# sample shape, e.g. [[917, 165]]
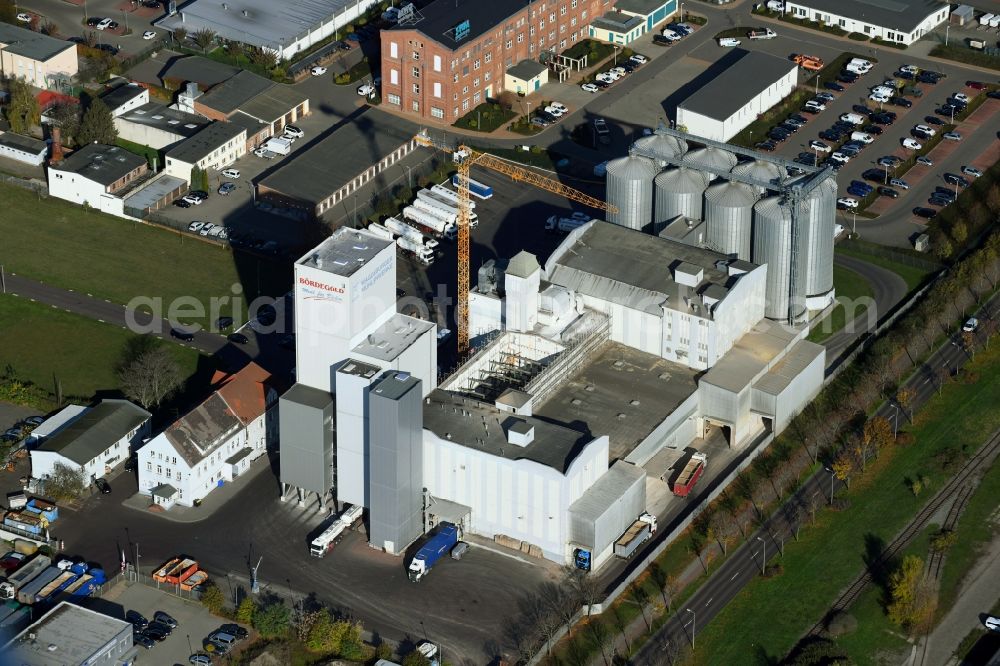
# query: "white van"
[[863, 137], [853, 118], [776, 5], [858, 66], [728, 42]]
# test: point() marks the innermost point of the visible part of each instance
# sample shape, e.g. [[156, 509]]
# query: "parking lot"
[[194, 623]]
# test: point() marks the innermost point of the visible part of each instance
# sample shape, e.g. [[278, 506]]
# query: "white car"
[[814, 104], [559, 106], [194, 201], [620, 71], [641, 59], [912, 144], [24, 18], [613, 75], [729, 42], [207, 229], [971, 325], [553, 111], [104, 24], [366, 90], [231, 173], [972, 171], [840, 157], [671, 36], [992, 623], [149, 34], [443, 335], [961, 97], [847, 202], [590, 87], [881, 99], [929, 131], [819, 146], [264, 153], [910, 69], [604, 77], [293, 132], [195, 226], [318, 71], [900, 183]]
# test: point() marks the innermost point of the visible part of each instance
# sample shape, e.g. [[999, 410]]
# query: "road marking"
[[735, 575], [102, 321], [709, 601]]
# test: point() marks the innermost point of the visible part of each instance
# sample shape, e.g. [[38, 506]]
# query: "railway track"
[[958, 486], [936, 559]]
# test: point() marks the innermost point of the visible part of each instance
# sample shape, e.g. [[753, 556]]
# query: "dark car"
[[789, 127], [906, 76], [872, 129], [933, 120], [93, 21], [135, 618], [154, 634], [660, 40], [901, 101], [181, 203], [143, 640], [778, 134], [160, 616], [181, 334], [945, 110], [938, 201], [266, 315], [862, 109], [107, 48], [955, 179], [874, 174], [888, 192], [920, 134], [993, 94], [797, 117], [847, 77], [222, 323], [959, 104], [157, 625], [944, 193], [199, 194], [797, 124], [103, 486], [234, 630], [926, 77], [238, 338], [830, 135], [810, 110], [830, 85], [926, 213], [766, 146], [858, 192]]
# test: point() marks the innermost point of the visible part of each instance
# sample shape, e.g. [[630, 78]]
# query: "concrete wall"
[[145, 135]]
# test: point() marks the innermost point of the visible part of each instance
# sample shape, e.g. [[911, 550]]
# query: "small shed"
[[526, 77], [962, 15], [921, 243]]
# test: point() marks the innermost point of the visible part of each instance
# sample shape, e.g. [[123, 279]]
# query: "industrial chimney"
[[57, 149]]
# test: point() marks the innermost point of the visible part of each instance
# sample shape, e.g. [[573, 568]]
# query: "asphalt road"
[[746, 562]]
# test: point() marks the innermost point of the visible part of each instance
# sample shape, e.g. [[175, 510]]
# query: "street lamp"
[[763, 562], [832, 477], [895, 420], [694, 618], [854, 221]]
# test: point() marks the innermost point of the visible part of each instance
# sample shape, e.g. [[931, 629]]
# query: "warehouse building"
[[125, 98], [70, 635], [24, 149], [42, 61], [900, 21], [158, 126], [97, 175], [729, 102], [284, 28], [215, 147]]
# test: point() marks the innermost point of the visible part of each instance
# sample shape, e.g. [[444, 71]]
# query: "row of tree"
[[94, 124]]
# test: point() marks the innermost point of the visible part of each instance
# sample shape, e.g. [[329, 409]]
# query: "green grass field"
[[768, 617], [38, 341], [913, 275], [53, 241], [850, 286]]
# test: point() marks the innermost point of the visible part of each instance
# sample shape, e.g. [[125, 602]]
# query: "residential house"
[[94, 441], [42, 61], [214, 443]]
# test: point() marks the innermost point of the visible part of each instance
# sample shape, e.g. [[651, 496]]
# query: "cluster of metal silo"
[[767, 172], [679, 191], [729, 218], [817, 221], [661, 145], [772, 245], [630, 189], [712, 158]]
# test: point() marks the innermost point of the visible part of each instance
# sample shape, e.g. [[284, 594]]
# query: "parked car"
[[155, 634], [200, 659], [926, 161], [590, 87], [900, 101], [888, 192], [639, 58], [952, 136], [766, 146], [103, 486], [238, 338], [926, 213], [971, 325], [836, 87], [847, 203], [876, 175], [912, 144], [143, 640], [317, 70], [819, 146], [900, 183], [933, 120], [227, 188], [971, 171], [163, 627], [104, 24], [149, 34], [366, 90], [135, 618], [233, 630], [181, 334], [24, 17], [955, 179]]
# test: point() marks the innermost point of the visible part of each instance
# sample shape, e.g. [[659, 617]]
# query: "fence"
[[132, 575], [39, 186]]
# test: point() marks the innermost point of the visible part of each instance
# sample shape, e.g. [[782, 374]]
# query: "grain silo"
[[772, 245], [630, 189], [660, 146], [767, 172], [716, 158], [728, 216], [817, 220], [679, 191]]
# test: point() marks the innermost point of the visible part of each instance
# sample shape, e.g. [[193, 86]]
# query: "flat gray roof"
[[312, 176], [121, 95], [459, 418], [345, 251], [78, 633], [526, 69], [789, 367], [302, 394], [273, 103], [30, 44], [95, 430], [23, 143], [439, 18], [731, 90], [160, 116], [625, 266], [167, 64], [229, 95], [597, 398], [154, 191], [205, 142], [393, 337], [751, 354], [643, 7], [617, 21], [611, 486], [901, 15], [260, 22], [394, 385], [101, 163]]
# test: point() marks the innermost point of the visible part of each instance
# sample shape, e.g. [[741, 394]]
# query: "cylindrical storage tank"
[[772, 245], [630, 189], [767, 172], [728, 216], [679, 191], [817, 221], [659, 146], [716, 158]]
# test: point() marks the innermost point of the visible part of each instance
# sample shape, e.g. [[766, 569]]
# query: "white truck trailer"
[[419, 251], [435, 206], [432, 223], [380, 230], [450, 195], [325, 542]]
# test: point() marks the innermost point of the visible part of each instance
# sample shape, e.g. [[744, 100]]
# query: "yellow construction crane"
[[464, 158]]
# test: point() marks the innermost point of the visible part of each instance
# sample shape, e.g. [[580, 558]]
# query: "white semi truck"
[[419, 251], [324, 543], [449, 194], [433, 223]]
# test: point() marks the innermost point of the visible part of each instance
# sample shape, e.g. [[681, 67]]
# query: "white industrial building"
[[91, 440], [285, 27], [98, 176], [71, 635], [23, 149], [900, 21], [729, 102], [212, 444], [215, 147], [158, 126]]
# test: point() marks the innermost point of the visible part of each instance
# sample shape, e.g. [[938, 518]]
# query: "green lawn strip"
[[850, 286], [913, 275], [774, 614], [966, 55], [68, 246], [38, 342]]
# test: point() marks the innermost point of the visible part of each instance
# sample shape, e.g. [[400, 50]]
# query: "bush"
[[342, 79], [246, 610], [212, 598], [841, 623], [273, 620], [858, 37]]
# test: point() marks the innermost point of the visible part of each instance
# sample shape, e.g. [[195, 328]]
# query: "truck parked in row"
[[567, 224], [418, 251], [380, 230], [637, 534], [325, 542], [689, 476], [425, 224], [447, 213], [436, 219], [432, 551], [476, 188], [24, 575], [450, 195]]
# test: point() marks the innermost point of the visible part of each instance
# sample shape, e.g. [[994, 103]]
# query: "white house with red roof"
[[213, 443]]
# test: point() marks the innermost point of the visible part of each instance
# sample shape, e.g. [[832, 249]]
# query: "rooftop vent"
[[402, 376]]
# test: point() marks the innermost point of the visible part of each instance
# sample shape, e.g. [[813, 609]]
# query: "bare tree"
[[666, 583], [151, 377], [641, 598], [65, 482]]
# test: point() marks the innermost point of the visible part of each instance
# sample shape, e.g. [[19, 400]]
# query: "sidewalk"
[[211, 503]]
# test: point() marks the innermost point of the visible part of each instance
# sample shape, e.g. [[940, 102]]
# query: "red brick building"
[[453, 54]]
